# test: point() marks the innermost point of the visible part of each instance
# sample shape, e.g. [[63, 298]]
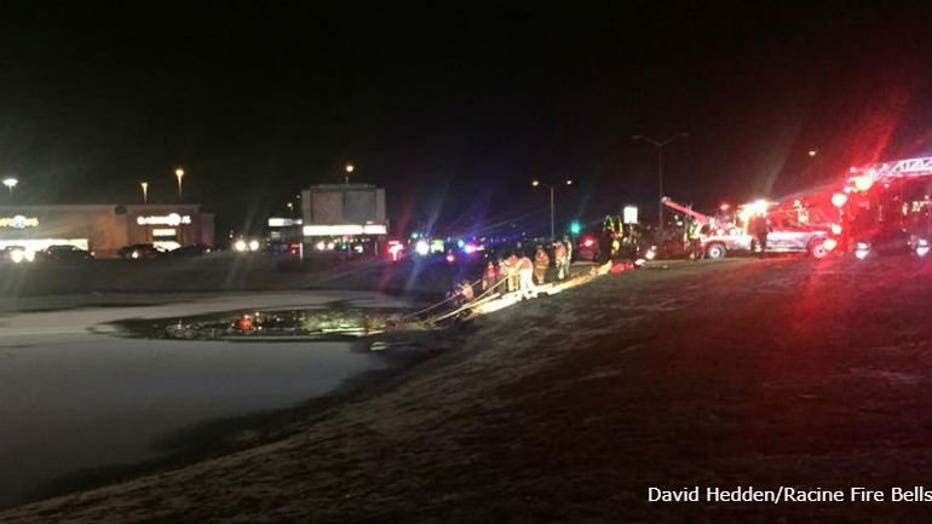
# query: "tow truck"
[[722, 237]]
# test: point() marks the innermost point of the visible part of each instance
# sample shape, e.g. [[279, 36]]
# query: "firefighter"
[[461, 294], [605, 240], [490, 277], [541, 263], [694, 240], [525, 270], [502, 273], [758, 227], [560, 259], [511, 263], [466, 291], [686, 237], [568, 244]]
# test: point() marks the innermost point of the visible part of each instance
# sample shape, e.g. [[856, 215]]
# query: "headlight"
[[240, 245], [29, 256], [922, 247], [863, 248], [16, 256], [253, 245]]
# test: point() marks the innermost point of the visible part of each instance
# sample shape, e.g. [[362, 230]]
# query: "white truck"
[[721, 238]]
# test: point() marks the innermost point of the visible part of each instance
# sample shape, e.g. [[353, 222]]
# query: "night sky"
[[454, 109]]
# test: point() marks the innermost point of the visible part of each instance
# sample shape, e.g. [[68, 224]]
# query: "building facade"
[[348, 218], [105, 228]]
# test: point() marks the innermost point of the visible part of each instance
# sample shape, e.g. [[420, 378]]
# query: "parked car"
[[140, 252], [66, 253], [587, 248], [194, 250], [18, 254]]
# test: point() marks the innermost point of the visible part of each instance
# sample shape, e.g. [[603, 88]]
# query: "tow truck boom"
[[676, 206]]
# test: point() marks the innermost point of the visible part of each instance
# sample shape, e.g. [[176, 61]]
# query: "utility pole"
[[659, 144]]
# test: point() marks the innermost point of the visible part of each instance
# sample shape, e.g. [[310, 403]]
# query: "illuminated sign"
[[163, 232], [630, 215], [345, 229], [171, 219], [19, 222], [284, 222]]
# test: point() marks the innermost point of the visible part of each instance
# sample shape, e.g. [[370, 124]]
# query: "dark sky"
[[454, 109]]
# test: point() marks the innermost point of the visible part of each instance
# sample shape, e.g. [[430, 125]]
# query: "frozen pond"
[[73, 399]]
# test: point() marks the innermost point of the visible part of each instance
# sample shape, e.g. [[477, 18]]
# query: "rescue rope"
[[438, 304], [484, 297]]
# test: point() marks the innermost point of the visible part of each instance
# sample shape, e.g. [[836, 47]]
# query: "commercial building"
[[105, 228], [347, 218]]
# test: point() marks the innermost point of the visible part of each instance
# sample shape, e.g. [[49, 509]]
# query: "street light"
[[10, 183], [349, 168], [659, 145], [180, 174], [145, 192], [551, 187]]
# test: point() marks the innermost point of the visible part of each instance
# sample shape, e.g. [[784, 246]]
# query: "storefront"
[[105, 228]]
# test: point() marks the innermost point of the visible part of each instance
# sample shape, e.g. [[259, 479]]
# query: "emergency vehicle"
[[728, 233], [886, 207], [878, 208]]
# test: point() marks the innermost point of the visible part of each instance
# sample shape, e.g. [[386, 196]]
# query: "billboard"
[[339, 204]]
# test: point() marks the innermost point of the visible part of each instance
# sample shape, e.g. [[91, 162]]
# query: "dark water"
[[323, 324]]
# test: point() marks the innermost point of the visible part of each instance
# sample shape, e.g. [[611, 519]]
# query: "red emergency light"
[[395, 250], [863, 182], [839, 199]]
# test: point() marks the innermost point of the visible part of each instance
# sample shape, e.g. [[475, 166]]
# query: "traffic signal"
[[575, 227]]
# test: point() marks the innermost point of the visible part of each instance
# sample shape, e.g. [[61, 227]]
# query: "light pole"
[[348, 169], [145, 192], [659, 145], [179, 172], [10, 183], [551, 187]]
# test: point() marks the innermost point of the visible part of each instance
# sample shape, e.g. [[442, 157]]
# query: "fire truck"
[[728, 234], [886, 207]]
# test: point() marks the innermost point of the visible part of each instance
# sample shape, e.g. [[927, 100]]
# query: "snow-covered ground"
[[779, 372], [73, 396]]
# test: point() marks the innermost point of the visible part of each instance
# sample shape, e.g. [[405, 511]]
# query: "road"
[[75, 397], [793, 372]]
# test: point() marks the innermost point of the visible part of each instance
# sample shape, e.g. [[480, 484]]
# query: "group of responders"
[[786, 494]]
